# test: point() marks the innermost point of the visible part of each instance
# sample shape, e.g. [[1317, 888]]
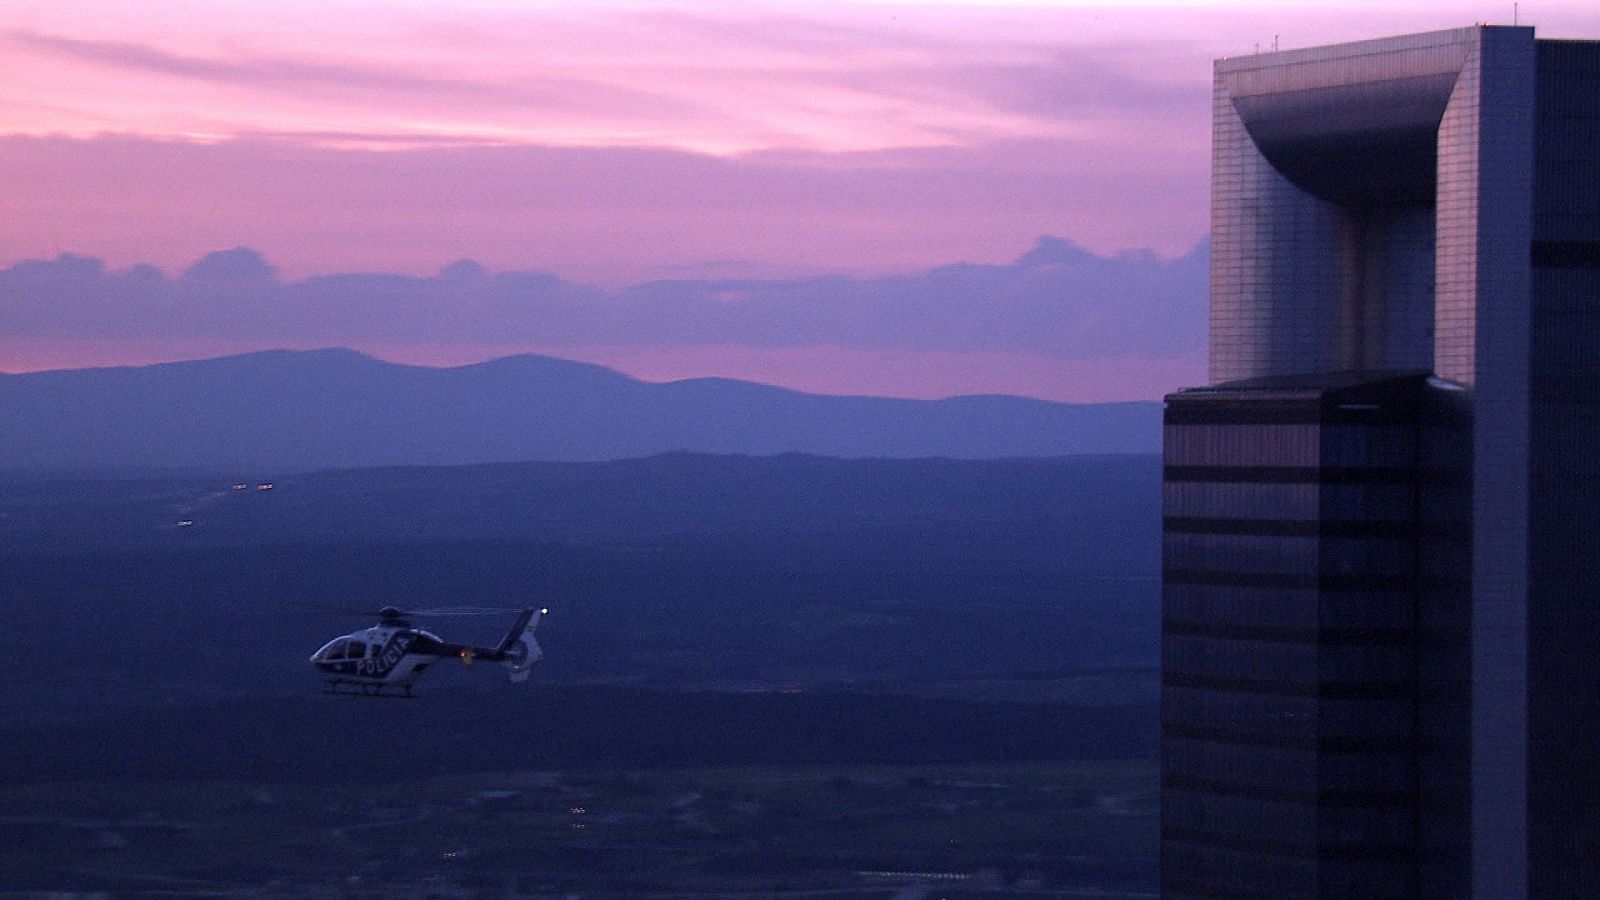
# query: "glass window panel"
[[1368, 502], [1241, 553], [1235, 500], [1367, 771], [1369, 445], [1380, 662], [1242, 764], [1243, 816], [1368, 556], [1267, 714], [1247, 606], [1368, 609], [1256, 660], [1384, 826], [1205, 865], [1368, 718], [1241, 445]]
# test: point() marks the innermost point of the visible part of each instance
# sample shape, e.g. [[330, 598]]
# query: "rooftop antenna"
[[1516, 14]]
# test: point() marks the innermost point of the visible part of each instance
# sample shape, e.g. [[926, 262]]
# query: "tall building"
[[1381, 622]]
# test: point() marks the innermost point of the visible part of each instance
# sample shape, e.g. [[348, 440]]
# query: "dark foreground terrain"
[[763, 675], [1055, 829]]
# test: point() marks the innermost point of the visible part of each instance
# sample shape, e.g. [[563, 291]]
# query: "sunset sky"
[[617, 143]]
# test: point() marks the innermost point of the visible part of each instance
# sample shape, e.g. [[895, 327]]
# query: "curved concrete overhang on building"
[[1355, 124]]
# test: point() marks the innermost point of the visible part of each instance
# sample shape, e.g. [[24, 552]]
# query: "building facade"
[[1405, 302]]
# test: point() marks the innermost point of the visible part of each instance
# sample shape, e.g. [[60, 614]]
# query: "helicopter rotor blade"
[[430, 611], [363, 612], [465, 611]]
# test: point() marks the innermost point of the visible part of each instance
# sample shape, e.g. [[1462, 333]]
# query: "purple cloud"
[[293, 77], [1056, 300]]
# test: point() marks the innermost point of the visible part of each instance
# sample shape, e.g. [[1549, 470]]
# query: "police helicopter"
[[386, 659]]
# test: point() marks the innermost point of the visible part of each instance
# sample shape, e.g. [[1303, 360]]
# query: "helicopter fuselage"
[[378, 657]]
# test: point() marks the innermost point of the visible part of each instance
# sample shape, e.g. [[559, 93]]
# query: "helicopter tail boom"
[[525, 622]]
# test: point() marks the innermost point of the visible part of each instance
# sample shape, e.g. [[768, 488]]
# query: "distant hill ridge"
[[339, 408]]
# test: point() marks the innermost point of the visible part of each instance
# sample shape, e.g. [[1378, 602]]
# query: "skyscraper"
[[1381, 623]]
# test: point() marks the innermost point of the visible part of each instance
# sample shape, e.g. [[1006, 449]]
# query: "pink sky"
[[619, 142]]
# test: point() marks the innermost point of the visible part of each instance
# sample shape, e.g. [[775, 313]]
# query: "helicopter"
[[386, 659]]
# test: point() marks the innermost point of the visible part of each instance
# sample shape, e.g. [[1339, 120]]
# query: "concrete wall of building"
[[1274, 288], [1323, 171], [1485, 212]]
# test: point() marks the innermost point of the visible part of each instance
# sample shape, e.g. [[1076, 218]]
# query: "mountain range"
[[333, 408]]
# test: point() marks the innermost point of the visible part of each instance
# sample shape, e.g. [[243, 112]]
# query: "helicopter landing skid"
[[364, 689]]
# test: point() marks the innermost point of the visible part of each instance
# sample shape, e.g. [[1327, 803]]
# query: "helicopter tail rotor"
[[520, 652]]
